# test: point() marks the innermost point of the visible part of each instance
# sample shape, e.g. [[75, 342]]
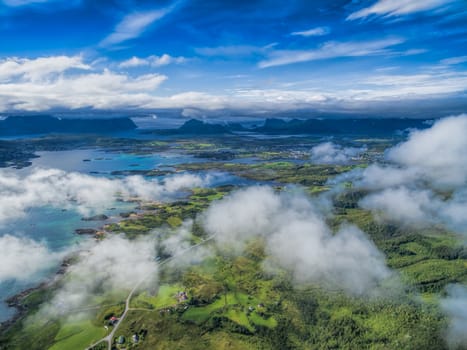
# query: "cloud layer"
[[113, 264], [23, 258], [85, 193], [455, 307], [73, 82], [298, 239], [425, 181], [331, 153]]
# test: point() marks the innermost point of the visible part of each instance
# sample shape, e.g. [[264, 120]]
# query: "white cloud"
[[330, 153], [424, 180], [454, 60], [69, 82], [438, 152], [401, 204], [85, 193], [179, 244], [39, 68], [390, 8], [405, 86], [43, 83], [298, 239], [133, 25], [330, 50], [23, 258], [113, 264], [319, 31], [455, 307], [154, 61]]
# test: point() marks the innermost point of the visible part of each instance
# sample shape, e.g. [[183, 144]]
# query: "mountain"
[[195, 126], [381, 126], [368, 126], [44, 124]]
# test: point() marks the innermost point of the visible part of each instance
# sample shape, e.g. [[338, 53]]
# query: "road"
[[108, 339]]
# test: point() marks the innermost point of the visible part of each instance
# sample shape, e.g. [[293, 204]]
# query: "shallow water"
[[55, 227], [100, 162]]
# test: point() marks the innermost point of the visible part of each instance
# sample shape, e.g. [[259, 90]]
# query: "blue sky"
[[250, 55]]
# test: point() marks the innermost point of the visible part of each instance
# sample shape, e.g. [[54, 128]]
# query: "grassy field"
[[233, 304], [77, 335]]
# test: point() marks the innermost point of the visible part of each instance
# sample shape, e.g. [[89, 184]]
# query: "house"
[[121, 340], [182, 296], [135, 338]]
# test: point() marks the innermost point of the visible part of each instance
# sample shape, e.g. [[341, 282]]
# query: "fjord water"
[[104, 162], [55, 227]]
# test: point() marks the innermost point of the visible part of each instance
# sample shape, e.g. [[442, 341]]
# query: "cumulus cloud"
[[331, 153], [439, 152], [71, 82], [391, 8], [424, 180], [298, 239], [85, 193], [67, 82], [455, 307], [39, 68], [401, 204], [113, 264], [154, 61], [23, 258]]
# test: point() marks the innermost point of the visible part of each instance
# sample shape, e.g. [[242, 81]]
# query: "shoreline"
[[15, 301]]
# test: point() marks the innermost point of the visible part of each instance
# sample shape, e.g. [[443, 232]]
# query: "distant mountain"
[[363, 127], [382, 126], [195, 126], [26, 125]]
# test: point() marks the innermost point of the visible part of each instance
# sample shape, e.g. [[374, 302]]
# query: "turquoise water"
[[56, 227], [103, 163]]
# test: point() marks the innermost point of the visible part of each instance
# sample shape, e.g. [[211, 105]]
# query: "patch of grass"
[[77, 335], [240, 318], [258, 320], [165, 297]]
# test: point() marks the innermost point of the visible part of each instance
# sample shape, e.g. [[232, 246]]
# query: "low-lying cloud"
[[331, 153], [113, 264], [424, 180], [85, 193], [454, 306], [298, 239], [23, 258], [438, 153]]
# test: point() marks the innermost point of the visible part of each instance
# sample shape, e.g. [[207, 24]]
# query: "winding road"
[[108, 339]]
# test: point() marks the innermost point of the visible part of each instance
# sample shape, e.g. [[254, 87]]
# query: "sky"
[[206, 56]]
